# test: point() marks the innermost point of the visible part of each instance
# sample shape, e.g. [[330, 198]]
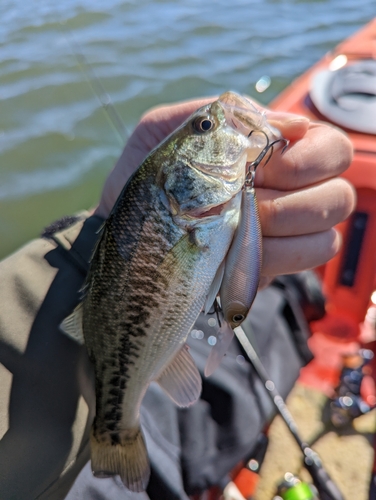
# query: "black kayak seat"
[[347, 96]]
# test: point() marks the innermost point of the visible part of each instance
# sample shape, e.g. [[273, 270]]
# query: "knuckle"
[[270, 211], [274, 213], [295, 162]]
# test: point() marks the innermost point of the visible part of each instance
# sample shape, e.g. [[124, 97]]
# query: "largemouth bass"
[[153, 269]]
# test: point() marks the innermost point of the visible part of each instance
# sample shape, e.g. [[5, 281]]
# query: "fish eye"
[[203, 124], [237, 317]]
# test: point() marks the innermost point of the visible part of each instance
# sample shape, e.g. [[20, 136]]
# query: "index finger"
[[322, 153]]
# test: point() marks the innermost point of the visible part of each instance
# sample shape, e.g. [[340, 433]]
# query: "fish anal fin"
[[72, 325], [181, 379], [224, 336], [127, 457]]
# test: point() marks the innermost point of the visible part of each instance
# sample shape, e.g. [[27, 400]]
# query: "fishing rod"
[[96, 86], [321, 479]]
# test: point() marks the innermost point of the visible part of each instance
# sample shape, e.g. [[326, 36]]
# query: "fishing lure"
[[242, 269]]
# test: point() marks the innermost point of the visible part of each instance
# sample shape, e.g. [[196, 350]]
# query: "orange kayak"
[[341, 89]]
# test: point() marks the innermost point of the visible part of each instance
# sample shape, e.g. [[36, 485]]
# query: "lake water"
[[56, 143]]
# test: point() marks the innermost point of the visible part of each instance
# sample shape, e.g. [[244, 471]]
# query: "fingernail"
[[280, 116], [293, 127]]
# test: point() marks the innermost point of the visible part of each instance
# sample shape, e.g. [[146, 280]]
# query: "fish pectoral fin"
[[127, 457], [181, 379], [214, 287], [72, 325], [224, 336]]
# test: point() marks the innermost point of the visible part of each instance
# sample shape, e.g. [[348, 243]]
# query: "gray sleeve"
[[46, 391]]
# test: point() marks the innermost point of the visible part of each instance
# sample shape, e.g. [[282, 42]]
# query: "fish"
[[153, 269]]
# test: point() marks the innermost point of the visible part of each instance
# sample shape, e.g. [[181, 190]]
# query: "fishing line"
[[96, 86]]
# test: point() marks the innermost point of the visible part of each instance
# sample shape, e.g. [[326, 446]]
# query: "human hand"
[[299, 193]]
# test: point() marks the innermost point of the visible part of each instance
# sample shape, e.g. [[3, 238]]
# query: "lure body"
[[243, 263]]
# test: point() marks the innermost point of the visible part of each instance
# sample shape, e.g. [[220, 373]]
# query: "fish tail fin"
[[124, 454]]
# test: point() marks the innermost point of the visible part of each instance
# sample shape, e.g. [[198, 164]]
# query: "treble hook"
[[286, 141], [250, 177], [218, 310]]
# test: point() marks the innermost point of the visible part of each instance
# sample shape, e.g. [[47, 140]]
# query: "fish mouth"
[[201, 213], [215, 210], [229, 173], [244, 117]]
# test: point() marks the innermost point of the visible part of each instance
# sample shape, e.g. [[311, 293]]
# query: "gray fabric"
[[46, 391]]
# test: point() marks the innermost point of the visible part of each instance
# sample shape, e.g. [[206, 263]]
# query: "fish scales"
[[148, 305], [132, 285], [154, 266]]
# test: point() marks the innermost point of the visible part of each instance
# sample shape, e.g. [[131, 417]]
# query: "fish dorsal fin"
[[214, 287], [224, 336], [181, 379], [72, 325]]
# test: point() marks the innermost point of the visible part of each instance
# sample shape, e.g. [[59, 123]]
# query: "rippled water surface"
[[56, 143]]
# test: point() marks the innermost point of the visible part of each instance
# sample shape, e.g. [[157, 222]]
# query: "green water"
[[56, 143]]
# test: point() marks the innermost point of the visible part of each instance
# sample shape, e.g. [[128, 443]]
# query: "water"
[[56, 144]]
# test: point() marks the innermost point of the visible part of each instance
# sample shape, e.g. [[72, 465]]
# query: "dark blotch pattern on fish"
[[130, 287]]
